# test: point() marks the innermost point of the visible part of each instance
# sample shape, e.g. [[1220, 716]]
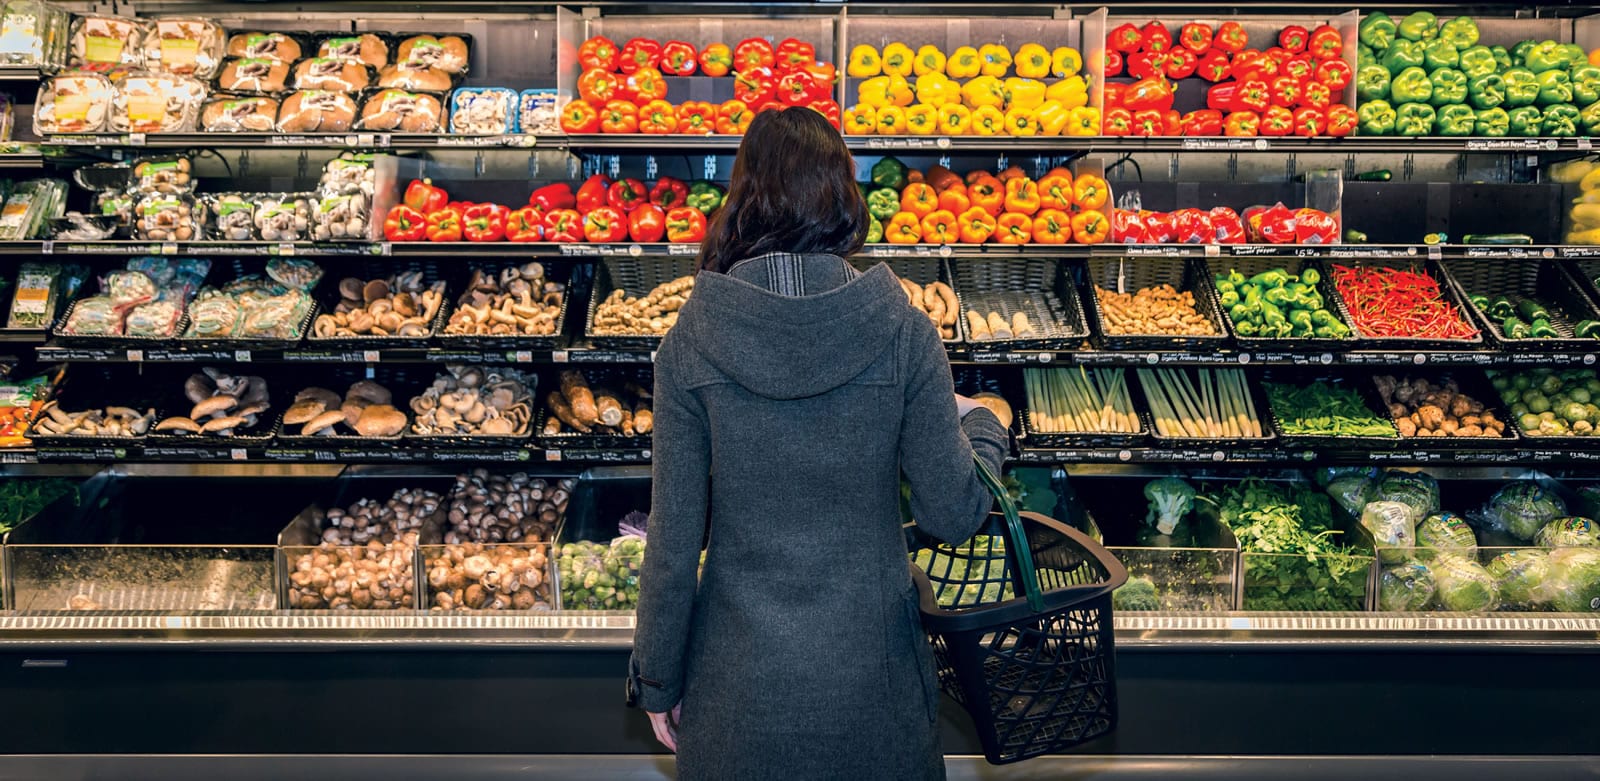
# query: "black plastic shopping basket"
[[1020, 618]]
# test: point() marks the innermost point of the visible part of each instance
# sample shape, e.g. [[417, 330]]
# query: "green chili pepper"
[[1229, 298], [1587, 329], [1310, 276], [1270, 278]]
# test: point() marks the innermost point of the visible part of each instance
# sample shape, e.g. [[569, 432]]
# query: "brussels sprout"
[[1521, 577], [1574, 579], [1464, 585], [1405, 587], [1447, 531], [1568, 532]]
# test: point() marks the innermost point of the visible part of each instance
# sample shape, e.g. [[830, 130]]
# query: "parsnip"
[[579, 397], [978, 326]]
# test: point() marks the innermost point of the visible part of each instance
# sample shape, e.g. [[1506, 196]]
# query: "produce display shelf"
[[307, 354], [256, 453], [963, 354], [21, 160], [1223, 453], [373, 141]]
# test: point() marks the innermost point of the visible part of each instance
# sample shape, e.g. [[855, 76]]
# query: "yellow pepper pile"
[[1583, 217], [924, 92]]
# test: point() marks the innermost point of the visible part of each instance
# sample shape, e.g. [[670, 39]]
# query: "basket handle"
[[1017, 547]]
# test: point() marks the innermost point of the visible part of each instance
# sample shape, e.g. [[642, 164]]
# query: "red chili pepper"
[[1399, 303]]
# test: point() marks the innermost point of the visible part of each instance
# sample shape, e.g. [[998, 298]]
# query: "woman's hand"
[[666, 727], [965, 405]]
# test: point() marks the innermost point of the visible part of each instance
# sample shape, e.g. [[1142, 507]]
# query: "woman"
[[790, 397]]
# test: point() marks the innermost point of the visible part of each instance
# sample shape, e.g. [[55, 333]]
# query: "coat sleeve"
[[937, 446], [678, 503]]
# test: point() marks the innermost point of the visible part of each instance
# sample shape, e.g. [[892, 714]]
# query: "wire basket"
[[1545, 281], [1033, 438], [1472, 385], [1036, 287], [613, 379], [1432, 268], [1250, 266], [924, 272], [554, 272], [1257, 397], [117, 341], [328, 297], [238, 268], [635, 277], [402, 382], [1368, 394], [1131, 275], [520, 439]]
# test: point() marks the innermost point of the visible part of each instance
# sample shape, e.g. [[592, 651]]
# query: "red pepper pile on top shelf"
[[601, 210], [1390, 302]]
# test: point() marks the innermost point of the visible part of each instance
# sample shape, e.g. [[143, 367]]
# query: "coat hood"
[[792, 347]]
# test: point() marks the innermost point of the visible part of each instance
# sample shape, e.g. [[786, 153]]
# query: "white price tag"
[[47, 247], [559, 356], [169, 248], [371, 356], [286, 250], [136, 139], [242, 356], [135, 356], [524, 356], [238, 454], [552, 455]]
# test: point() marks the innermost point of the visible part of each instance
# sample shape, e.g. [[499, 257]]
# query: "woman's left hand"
[[666, 727]]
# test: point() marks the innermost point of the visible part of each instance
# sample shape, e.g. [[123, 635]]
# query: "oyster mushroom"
[[224, 426], [179, 424], [215, 405]]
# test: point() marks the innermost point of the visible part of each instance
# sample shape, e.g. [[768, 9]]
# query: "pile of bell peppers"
[[624, 89], [1276, 224], [938, 206], [1296, 87], [983, 91], [1277, 304], [600, 210], [1421, 77]]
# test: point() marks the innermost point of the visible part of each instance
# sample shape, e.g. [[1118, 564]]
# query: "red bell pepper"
[[697, 118], [678, 58], [823, 75], [1242, 124], [639, 53], [1272, 225], [424, 197], [646, 84], [753, 53], [1181, 63], [1294, 38], [733, 116], [444, 225], [1278, 55], [1326, 44], [1231, 37], [550, 197], [1277, 121], [1285, 91], [1193, 226], [1342, 120], [1144, 65], [598, 86], [1145, 94], [1115, 92], [795, 88], [1239, 96], [1117, 122], [1316, 95], [1334, 73], [1313, 226], [1127, 227], [580, 116], [686, 224], [598, 52], [592, 193], [828, 109], [754, 86], [404, 223], [604, 225], [627, 195], [1171, 123], [1254, 67], [619, 116], [647, 224], [1214, 66], [1195, 37], [525, 224], [563, 225], [484, 222], [1205, 122], [716, 60], [793, 54], [1159, 228], [1227, 226], [1157, 38], [1114, 63], [1310, 122], [669, 193], [1148, 122], [1125, 38], [1299, 66]]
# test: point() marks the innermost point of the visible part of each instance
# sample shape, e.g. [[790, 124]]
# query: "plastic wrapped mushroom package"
[[186, 47], [73, 103]]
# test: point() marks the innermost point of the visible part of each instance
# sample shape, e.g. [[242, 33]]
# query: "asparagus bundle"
[[1091, 401], [1216, 404]]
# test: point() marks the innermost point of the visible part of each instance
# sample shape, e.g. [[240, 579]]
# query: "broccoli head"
[[1171, 499], [1138, 593]]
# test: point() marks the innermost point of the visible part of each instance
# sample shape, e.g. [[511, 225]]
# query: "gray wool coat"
[[783, 424]]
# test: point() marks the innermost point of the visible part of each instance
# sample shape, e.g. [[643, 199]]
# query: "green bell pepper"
[[1572, 54], [1522, 87], [1372, 83], [1377, 118], [1478, 61], [1400, 55], [1460, 31], [883, 203], [1519, 53], [1585, 84], [1492, 123], [1376, 31], [890, 173], [1420, 26], [1502, 57], [1526, 121], [1589, 119], [874, 230], [1449, 86], [1411, 85], [1554, 87], [1455, 120], [1365, 56], [1486, 91], [705, 196], [1561, 120], [1414, 119], [1440, 54], [1545, 56]]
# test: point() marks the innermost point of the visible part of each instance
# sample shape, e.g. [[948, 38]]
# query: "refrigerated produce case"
[[172, 607]]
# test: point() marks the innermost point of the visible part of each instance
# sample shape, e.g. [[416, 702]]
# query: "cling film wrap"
[[349, 174], [154, 102], [370, 49], [231, 113], [283, 216], [185, 46], [341, 218], [253, 75], [72, 103], [333, 74], [316, 111], [483, 111], [401, 111], [104, 43], [230, 217], [165, 175], [537, 113], [33, 33], [446, 53], [280, 46], [167, 217]]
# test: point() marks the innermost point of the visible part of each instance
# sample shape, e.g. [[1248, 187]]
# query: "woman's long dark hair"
[[793, 190]]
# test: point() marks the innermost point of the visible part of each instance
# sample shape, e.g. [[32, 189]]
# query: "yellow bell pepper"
[[898, 59], [964, 63], [874, 92], [1071, 92], [929, 60], [900, 91], [1052, 118], [1587, 212], [891, 121], [1584, 237], [1083, 121], [1590, 181], [996, 59], [955, 120], [984, 91], [922, 119], [864, 62], [860, 120], [1024, 93], [936, 89], [1033, 61], [1021, 122], [988, 121], [1065, 62]]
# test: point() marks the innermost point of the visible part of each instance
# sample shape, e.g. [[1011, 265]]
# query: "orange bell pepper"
[[891, 121], [976, 225], [919, 198], [941, 178], [939, 227], [1090, 192], [913, 176], [1014, 229], [973, 176], [1090, 227], [1010, 173], [955, 200], [1052, 226], [1055, 192], [988, 194], [903, 228], [1022, 196]]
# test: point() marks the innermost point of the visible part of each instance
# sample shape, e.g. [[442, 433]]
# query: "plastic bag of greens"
[[1404, 588], [1521, 508], [1446, 531], [1464, 586], [1417, 490], [1522, 576], [1327, 475], [1352, 491], [1573, 582], [1393, 527], [1568, 533]]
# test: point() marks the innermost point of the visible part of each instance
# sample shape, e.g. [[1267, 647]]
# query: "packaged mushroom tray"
[[155, 102], [635, 304], [363, 555], [254, 311], [281, 217], [401, 111], [598, 410], [484, 111], [517, 305], [396, 309], [105, 43], [146, 301], [221, 406], [72, 103], [187, 47], [474, 405]]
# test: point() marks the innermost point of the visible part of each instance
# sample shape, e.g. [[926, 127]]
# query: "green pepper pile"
[[1528, 319], [1277, 304], [1325, 409], [1420, 78]]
